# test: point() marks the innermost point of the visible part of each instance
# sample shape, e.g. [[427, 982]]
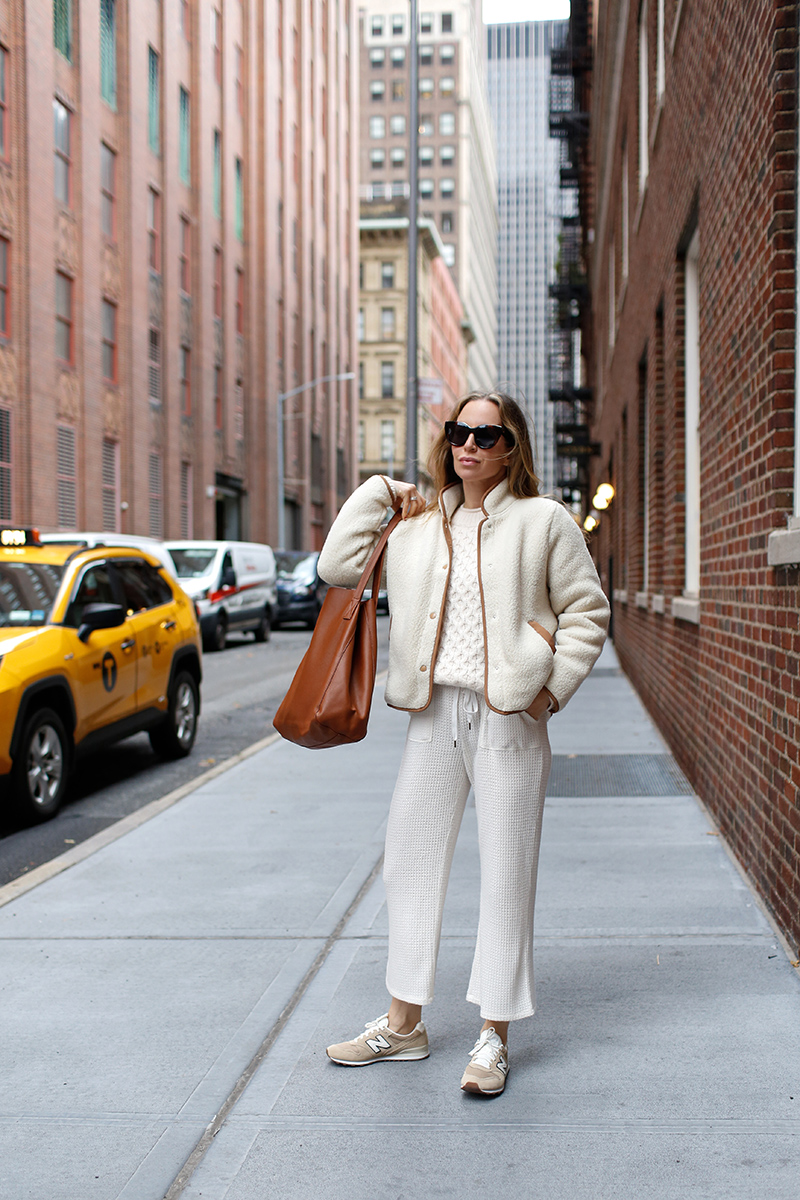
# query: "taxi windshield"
[[27, 592], [191, 564]]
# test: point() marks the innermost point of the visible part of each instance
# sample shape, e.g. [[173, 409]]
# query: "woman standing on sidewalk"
[[497, 618]]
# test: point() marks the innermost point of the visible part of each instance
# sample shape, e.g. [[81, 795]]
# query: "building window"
[[109, 348], [447, 155], [65, 477], [397, 156], [361, 438], [184, 256], [361, 381], [239, 301], [398, 25], [108, 180], [110, 469], [154, 229], [153, 100], [377, 158], [447, 222], [360, 328], [387, 440], [644, 100], [185, 379], [398, 89], [377, 89], [377, 56], [216, 43], [692, 418], [426, 88], [447, 53], [426, 23], [447, 188], [377, 26], [5, 287], [377, 127], [184, 159], [397, 126], [108, 52], [426, 56], [217, 284], [449, 255], [5, 465], [64, 340], [62, 119], [397, 56], [426, 154], [447, 124], [186, 500], [217, 182], [447, 22], [155, 496], [154, 366], [5, 128], [426, 188], [426, 126], [62, 27], [186, 20], [447, 85], [387, 382], [238, 175], [387, 274], [218, 417], [387, 324]]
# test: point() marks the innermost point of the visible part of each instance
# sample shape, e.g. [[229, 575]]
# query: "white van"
[[233, 585]]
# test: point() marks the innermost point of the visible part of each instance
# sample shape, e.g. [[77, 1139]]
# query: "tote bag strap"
[[375, 561]]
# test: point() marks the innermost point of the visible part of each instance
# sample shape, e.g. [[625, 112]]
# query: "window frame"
[[154, 230], [185, 255], [61, 154], [67, 320], [5, 119], [185, 379], [108, 335], [240, 298], [216, 284], [387, 273], [5, 286], [108, 191], [388, 379], [154, 100]]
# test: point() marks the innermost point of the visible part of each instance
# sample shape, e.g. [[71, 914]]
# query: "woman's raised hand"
[[408, 501]]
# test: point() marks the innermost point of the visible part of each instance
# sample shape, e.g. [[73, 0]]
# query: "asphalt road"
[[242, 688]]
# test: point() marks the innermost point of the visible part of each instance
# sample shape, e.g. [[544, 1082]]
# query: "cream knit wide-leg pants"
[[506, 759]]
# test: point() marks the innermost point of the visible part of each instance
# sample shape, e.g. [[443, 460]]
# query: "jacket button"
[[423, 667], [433, 616]]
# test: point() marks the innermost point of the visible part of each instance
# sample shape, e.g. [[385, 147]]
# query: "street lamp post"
[[411, 348], [282, 398]]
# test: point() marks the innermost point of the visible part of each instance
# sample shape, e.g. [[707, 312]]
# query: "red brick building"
[[689, 200], [178, 225]]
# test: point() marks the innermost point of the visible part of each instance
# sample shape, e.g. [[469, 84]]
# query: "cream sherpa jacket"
[[534, 569]]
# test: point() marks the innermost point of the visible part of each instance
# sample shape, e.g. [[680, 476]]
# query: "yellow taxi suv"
[[95, 645]]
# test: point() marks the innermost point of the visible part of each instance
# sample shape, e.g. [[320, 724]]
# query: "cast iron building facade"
[[690, 187], [529, 201], [178, 244], [457, 168]]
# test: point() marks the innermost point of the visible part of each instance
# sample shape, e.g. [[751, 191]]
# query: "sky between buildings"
[[497, 12]]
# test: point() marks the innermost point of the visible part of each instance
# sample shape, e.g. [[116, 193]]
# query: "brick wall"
[[722, 161]]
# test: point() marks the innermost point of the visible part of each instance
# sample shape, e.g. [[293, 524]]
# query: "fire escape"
[[570, 314]]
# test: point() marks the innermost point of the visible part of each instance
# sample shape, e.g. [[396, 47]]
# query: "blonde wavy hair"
[[520, 474]]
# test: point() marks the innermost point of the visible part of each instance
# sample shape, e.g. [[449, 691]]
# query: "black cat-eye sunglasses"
[[486, 436]]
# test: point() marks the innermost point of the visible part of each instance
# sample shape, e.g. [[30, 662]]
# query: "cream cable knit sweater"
[[459, 659]]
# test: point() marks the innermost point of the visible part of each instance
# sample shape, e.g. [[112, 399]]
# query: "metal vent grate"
[[616, 775]]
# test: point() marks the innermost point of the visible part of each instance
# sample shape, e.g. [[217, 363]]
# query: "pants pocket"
[[504, 731], [420, 725]]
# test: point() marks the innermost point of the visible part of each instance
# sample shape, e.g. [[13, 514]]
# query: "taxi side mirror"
[[100, 616]]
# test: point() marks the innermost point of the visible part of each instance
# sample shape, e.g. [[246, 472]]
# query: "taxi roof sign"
[[14, 538]]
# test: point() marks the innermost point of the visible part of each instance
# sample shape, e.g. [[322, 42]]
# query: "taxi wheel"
[[174, 738], [41, 768], [263, 628]]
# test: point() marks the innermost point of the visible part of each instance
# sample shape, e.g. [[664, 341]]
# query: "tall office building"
[[457, 172], [178, 244], [529, 201]]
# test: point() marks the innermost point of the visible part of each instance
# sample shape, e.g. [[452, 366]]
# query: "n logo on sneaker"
[[378, 1043], [502, 1065]]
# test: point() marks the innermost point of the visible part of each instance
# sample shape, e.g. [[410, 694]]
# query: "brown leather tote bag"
[[330, 696]]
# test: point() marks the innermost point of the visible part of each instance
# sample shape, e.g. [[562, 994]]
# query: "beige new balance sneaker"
[[379, 1043], [488, 1065]]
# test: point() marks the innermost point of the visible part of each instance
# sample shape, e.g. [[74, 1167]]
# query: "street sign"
[[429, 391]]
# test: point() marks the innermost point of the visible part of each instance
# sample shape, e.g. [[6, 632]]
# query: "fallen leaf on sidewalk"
[[795, 962], [712, 833], [69, 841], [208, 762], [658, 960]]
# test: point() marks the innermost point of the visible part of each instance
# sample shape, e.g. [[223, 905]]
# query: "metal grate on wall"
[[616, 775], [156, 498], [65, 473], [110, 486]]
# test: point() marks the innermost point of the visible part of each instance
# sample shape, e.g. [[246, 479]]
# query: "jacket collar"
[[496, 501]]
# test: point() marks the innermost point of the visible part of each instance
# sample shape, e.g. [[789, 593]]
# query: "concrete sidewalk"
[[226, 941]]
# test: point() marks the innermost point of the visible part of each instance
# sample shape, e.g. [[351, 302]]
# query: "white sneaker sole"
[[411, 1055]]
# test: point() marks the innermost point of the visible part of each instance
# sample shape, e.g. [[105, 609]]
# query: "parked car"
[[150, 546], [96, 643], [233, 585], [300, 589]]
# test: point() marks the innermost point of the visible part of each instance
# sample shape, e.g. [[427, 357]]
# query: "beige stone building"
[[443, 336], [178, 244], [457, 160]]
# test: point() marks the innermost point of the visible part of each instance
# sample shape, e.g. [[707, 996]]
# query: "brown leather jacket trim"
[[545, 633]]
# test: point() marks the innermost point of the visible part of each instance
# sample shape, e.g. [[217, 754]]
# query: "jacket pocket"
[[544, 633], [420, 725]]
